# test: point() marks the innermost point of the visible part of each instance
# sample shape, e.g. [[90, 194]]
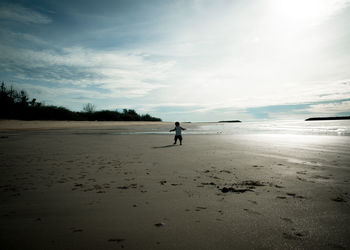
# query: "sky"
[[185, 60]]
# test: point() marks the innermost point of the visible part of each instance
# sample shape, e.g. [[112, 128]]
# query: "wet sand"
[[87, 187]]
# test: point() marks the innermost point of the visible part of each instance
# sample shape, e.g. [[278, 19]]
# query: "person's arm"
[[182, 128], [172, 130]]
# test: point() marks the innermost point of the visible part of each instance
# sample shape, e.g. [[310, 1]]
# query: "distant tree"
[[12, 93], [89, 108], [2, 88], [130, 115], [17, 105], [147, 117], [23, 98], [33, 102]]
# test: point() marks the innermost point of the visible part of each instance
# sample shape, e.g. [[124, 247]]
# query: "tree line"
[[16, 104]]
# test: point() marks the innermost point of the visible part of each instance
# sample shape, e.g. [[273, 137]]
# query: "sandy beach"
[[84, 185]]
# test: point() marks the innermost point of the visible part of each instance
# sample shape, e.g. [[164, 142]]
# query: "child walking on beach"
[[177, 130]]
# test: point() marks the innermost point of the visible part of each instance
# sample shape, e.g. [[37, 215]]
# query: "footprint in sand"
[[208, 183], [76, 230], [295, 195], [234, 190], [254, 202], [251, 211], [257, 166], [302, 172], [287, 220], [176, 184], [295, 235], [321, 177], [225, 171], [289, 236], [336, 246], [118, 240], [160, 224], [338, 199], [302, 179], [281, 197]]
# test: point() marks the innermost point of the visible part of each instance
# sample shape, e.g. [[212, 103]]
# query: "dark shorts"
[[178, 137]]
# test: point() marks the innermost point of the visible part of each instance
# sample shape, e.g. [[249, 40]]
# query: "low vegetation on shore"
[[16, 104], [328, 118]]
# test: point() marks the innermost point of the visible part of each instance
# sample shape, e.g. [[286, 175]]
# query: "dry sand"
[[86, 187], [49, 125]]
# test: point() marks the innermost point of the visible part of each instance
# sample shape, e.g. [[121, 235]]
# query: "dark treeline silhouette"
[[230, 121], [16, 104], [328, 118]]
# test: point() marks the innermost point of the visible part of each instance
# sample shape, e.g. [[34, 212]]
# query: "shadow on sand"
[[166, 146]]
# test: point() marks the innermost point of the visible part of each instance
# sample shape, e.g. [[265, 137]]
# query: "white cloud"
[[298, 14], [10, 37], [61, 96], [330, 108], [124, 74], [21, 14]]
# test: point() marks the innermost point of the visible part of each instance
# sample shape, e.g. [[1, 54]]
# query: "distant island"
[[231, 121], [15, 104], [328, 118]]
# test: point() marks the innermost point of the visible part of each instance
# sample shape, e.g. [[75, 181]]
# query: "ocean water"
[[287, 127], [292, 127]]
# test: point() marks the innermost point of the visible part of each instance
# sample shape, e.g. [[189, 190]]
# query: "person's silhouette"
[[177, 130]]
